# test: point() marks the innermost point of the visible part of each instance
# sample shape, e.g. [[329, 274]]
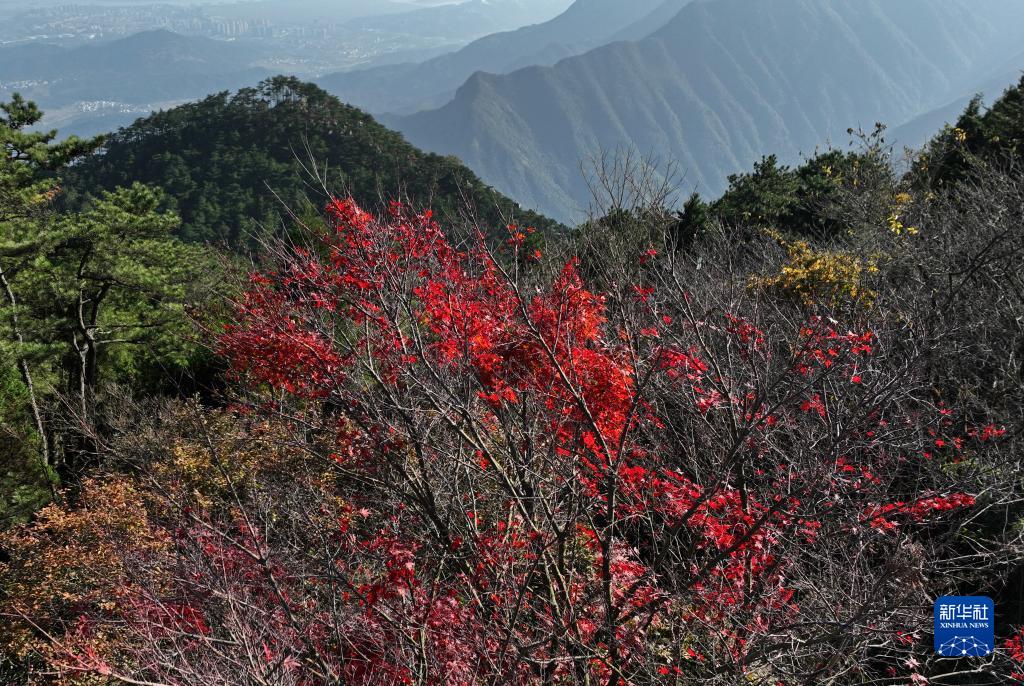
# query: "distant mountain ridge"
[[144, 67], [651, 22], [155, 52], [469, 19], [409, 87], [717, 87], [310, 10], [920, 130], [133, 74]]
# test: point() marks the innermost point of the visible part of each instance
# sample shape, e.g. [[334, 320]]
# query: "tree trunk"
[[26, 377]]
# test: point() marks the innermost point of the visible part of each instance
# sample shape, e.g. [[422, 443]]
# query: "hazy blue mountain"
[[921, 129], [722, 84], [410, 87], [140, 68], [348, 10], [652, 21], [290, 11], [158, 49], [96, 88], [464, 21]]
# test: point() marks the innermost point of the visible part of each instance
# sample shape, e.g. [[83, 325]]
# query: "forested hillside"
[[234, 165], [722, 84]]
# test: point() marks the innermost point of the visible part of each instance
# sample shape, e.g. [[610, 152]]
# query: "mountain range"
[[104, 84], [586, 24], [721, 84], [710, 84]]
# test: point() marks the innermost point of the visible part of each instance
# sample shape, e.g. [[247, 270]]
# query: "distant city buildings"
[[92, 22], [306, 48]]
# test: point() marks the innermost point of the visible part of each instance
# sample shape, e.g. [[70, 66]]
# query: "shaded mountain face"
[[722, 84], [234, 159], [96, 88], [410, 87]]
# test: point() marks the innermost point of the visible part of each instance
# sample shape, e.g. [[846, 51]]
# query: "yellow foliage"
[[895, 221], [820, 277]]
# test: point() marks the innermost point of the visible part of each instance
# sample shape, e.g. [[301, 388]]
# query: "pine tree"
[[82, 292], [28, 185]]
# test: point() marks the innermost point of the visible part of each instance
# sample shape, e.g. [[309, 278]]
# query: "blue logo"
[[965, 626]]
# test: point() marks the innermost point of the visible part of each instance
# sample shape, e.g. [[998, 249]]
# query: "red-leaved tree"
[[522, 481]]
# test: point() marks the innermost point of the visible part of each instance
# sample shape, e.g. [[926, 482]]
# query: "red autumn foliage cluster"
[[536, 483], [1014, 647]]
